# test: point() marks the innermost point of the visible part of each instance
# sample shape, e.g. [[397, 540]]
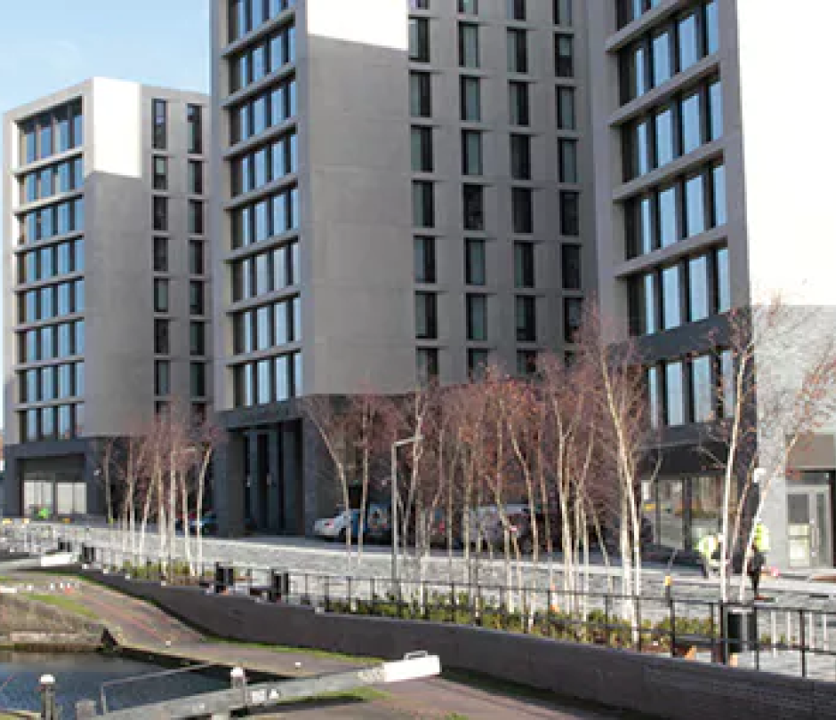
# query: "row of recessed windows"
[[51, 261], [60, 422], [515, 9], [259, 60], [195, 215], [475, 272], [162, 337], [688, 291], [260, 167], [246, 15], [687, 206], [269, 271], [267, 381], [470, 52], [258, 221], [162, 379], [159, 126], [682, 125], [51, 132], [59, 219], [478, 359], [426, 316], [55, 382], [667, 50], [194, 177], [59, 178], [268, 109], [197, 264], [52, 301], [693, 390], [473, 208], [197, 292], [267, 326], [52, 342]]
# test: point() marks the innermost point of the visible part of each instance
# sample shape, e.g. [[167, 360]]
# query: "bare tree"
[[772, 397]]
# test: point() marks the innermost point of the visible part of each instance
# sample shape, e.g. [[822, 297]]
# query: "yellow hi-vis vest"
[[707, 545], [762, 537]]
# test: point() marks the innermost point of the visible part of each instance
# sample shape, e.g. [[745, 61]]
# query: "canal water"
[[80, 677]]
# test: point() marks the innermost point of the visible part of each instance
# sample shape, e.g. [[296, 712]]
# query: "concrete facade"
[[687, 88], [391, 123], [83, 361]]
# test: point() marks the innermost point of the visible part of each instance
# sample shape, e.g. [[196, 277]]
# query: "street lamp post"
[[393, 513]]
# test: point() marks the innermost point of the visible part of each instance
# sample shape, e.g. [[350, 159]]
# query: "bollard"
[[46, 688], [85, 709]]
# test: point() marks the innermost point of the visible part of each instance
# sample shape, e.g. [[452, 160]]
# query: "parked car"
[[209, 524], [336, 527], [486, 522]]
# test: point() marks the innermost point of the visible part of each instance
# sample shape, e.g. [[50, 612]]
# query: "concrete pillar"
[[296, 506], [275, 499], [229, 485]]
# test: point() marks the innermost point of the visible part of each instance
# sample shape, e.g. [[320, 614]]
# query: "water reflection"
[[79, 677]]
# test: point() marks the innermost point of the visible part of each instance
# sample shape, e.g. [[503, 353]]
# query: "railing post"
[[46, 688], [373, 596], [453, 602], [639, 619], [607, 618], [327, 593], [803, 642]]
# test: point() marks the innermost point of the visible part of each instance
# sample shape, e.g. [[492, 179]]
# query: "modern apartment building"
[[403, 192], [711, 153], [106, 275]]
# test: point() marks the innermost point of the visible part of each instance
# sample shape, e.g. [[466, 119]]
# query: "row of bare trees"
[[573, 444], [158, 477]]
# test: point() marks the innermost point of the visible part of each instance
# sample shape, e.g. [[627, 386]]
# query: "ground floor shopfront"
[[798, 512], [57, 479]]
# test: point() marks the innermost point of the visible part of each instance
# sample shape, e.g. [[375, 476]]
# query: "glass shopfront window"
[[682, 510]]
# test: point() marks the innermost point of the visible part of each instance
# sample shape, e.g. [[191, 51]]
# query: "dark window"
[[160, 213], [522, 211], [477, 363], [423, 204], [521, 157], [419, 40], [569, 213], [474, 261], [564, 64], [195, 217], [426, 362], [526, 362], [563, 12], [197, 338], [570, 266], [194, 118], [162, 377], [566, 119], [426, 321], [471, 99], [160, 173], [477, 317], [160, 254], [517, 51], [160, 124], [518, 103], [471, 152], [161, 337], [516, 9], [468, 45], [526, 319], [473, 201], [196, 305], [160, 295], [197, 372], [523, 265], [468, 7], [572, 318], [196, 265], [422, 149], [420, 94], [424, 259], [195, 177]]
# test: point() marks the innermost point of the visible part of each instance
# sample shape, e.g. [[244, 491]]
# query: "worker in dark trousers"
[[754, 570]]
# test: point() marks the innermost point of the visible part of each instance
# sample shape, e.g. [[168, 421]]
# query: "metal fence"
[[760, 636]]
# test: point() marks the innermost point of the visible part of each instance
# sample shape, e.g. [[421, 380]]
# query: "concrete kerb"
[[621, 679]]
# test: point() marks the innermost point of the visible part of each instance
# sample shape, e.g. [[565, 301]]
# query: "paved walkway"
[[142, 626]]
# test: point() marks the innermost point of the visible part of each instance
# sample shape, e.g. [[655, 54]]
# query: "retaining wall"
[[654, 685]]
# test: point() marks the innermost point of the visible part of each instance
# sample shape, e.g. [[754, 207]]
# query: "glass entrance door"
[[809, 528]]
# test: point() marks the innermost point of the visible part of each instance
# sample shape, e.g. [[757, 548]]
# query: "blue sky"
[[49, 44]]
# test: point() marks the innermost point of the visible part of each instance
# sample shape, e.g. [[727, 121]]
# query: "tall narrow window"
[[566, 108], [516, 9], [468, 45], [419, 40], [160, 213], [473, 207], [194, 118], [477, 317], [426, 325], [160, 124], [564, 63], [422, 149], [160, 173], [162, 377], [523, 265], [522, 211], [423, 205], [675, 401], [420, 94], [572, 318], [569, 213], [521, 157], [471, 99], [474, 262], [568, 150], [517, 51], [526, 318], [518, 103], [424, 259], [563, 12], [570, 266], [160, 254], [471, 152]]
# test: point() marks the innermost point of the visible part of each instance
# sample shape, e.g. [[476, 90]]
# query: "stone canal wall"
[[647, 684], [26, 623]]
